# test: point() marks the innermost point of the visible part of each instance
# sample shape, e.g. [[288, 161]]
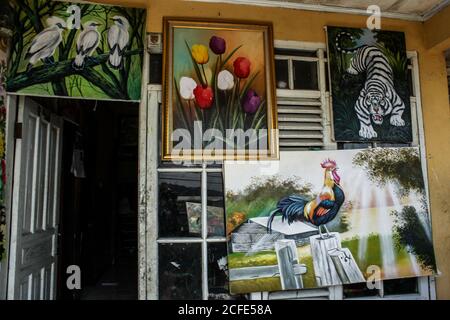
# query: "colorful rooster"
[[318, 211]]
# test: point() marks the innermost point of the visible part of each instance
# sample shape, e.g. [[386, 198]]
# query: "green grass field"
[[267, 258]]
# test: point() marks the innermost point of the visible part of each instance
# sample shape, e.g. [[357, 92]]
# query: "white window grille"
[[154, 244], [302, 104]]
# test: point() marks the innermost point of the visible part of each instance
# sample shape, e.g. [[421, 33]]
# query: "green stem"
[[226, 107], [197, 116], [238, 87], [191, 111], [231, 108], [204, 75], [179, 103], [255, 117], [203, 119], [216, 94], [237, 103]]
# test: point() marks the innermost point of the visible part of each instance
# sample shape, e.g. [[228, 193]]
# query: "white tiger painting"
[[378, 97], [369, 84]]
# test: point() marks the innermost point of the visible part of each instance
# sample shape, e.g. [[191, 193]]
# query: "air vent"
[[300, 123]]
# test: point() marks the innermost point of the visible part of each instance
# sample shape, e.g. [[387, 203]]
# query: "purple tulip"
[[251, 102], [217, 45]]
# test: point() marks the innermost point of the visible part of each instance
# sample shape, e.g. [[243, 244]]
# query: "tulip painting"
[[220, 77]]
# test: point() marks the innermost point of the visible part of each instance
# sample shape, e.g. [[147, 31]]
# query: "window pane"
[[216, 212], [281, 74], [400, 286], [393, 145], [180, 271], [305, 75], [294, 52], [217, 271], [176, 191], [410, 83], [358, 290], [350, 145], [155, 76]]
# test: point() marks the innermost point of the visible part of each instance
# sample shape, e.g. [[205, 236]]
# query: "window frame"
[[149, 239], [321, 94]]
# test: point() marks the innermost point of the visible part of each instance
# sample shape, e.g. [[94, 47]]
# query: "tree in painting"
[[412, 227], [100, 58], [373, 202]]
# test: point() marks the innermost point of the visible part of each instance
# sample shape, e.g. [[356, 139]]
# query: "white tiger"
[[378, 97]]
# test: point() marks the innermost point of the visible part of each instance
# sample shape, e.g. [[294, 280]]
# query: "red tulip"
[[204, 96], [241, 67]]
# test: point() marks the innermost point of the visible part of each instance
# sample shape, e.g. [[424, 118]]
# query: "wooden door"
[[35, 204]]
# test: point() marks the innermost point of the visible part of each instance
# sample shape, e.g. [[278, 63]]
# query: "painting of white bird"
[[87, 41], [76, 49], [45, 42], [118, 38]]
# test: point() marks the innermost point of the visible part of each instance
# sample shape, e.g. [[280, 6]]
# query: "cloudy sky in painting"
[[305, 165], [302, 164]]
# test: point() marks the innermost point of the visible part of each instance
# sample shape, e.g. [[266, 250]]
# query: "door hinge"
[[18, 130]]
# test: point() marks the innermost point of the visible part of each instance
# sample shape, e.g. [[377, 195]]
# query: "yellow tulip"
[[200, 53]]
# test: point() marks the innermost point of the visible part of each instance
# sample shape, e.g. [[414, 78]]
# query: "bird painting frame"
[[324, 218], [219, 94], [76, 50]]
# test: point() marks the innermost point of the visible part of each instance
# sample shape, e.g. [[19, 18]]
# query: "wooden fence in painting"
[[288, 268], [333, 265]]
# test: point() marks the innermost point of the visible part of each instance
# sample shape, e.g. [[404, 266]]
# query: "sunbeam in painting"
[[324, 217]]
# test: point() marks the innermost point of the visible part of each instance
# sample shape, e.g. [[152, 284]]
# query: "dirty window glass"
[[177, 216], [217, 271], [400, 286], [180, 272], [155, 75], [282, 74], [295, 52], [358, 290], [216, 212], [305, 75]]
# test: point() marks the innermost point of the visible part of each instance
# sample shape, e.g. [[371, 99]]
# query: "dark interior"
[[98, 216]]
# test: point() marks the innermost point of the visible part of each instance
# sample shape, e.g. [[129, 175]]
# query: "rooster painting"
[[318, 211]]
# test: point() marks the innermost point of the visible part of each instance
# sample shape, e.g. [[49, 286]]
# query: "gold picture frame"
[[219, 100]]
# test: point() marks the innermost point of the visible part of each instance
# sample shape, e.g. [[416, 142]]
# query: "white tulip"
[[225, 80], [187, 86]]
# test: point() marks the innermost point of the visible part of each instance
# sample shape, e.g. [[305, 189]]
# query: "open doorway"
[[98, 197]]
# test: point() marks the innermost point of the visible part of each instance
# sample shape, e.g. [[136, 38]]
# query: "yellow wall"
[[437, 30], [308, 26]]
